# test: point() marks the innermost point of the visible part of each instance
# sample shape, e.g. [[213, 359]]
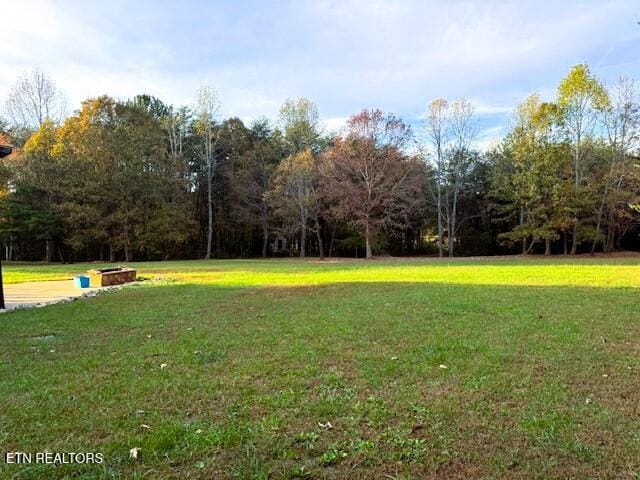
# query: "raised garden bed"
[[104, 277]]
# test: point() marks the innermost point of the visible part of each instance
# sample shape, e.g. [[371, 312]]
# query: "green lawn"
[[508, 368]]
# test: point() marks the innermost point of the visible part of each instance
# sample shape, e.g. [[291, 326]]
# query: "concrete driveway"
[[31, 294]]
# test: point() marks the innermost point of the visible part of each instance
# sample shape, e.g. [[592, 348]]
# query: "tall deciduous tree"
[[293, 195], [176, 123], [437, 130], [300, 122], [459, 165], [38, 175], [621, 122], [525, 179], [450, 130], [207, 109], [369, 180], [35, 99], [581, 97]]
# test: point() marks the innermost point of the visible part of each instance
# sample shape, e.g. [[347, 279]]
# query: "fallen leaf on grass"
[[326, 426], [133, 453]]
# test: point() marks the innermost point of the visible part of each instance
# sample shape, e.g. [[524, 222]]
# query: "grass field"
[[505, 368]]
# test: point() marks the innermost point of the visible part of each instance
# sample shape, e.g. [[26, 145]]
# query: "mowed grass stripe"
[[582, 271]]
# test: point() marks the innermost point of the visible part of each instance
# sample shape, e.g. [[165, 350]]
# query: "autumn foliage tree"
[[119, 188], [294, 193], [370, 180], [581, 99], [526, 172]]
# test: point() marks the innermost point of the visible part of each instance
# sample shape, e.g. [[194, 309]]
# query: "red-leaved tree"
[[369, 180]]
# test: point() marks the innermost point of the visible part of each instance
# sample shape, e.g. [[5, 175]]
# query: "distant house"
[[5, 150], [279, 245]]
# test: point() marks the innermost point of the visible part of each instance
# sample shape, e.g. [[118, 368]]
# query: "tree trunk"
[[265, 240], [547, 246], [440, 227], [564, 239], [524, 239], [320, 245], [611, 233], [209, 211], [49, 250], [452, 223], [599, 223], [618, 240], [574, 240], [367, 242], [112, 253], [576, 166], [303, 241], [333, 237]]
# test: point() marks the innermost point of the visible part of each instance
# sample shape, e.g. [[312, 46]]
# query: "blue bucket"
[[81, 281]]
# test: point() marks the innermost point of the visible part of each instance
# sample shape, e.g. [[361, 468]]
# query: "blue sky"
[[344, 55]]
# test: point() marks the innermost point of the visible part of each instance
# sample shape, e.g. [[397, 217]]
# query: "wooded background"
[[139, 179]]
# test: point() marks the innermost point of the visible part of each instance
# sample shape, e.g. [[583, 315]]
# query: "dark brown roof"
[[5, 150]]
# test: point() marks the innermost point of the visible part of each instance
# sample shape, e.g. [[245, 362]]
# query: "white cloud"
[[489, 138], [343, 54], [334, 124], [481, 108]]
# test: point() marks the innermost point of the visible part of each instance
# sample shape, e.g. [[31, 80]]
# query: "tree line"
[[141, 179]]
